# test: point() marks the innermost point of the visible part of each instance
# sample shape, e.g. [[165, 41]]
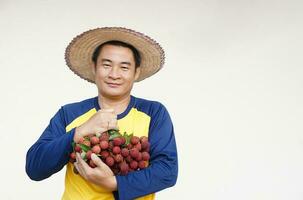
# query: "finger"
[[78, 169], [97, 160], [82, 164]]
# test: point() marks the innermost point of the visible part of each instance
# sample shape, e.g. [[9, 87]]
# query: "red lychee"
[[118, 158], [110, 161], [104, 136], [134, 153], [81, 140], [96, 149], [139, 157], [88, 154], [117, 141], [144, 145], [104, 154], [133, 164], [104, 144], [145, 156], [128, 159], [142, 164], [124, 168], [125, 152], [129, 146], [78, 149], [116, 149], [143, 139], [73, 155], [123, 140], [94, 140], [134, 140], [110, 145], [138, 146]]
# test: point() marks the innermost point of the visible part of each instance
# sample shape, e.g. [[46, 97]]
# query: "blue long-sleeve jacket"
[[142, 117]]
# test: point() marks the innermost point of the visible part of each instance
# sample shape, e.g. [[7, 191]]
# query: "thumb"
[[97, 160]]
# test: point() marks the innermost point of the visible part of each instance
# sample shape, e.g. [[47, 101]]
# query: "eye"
[[124, 68], [106, 65]]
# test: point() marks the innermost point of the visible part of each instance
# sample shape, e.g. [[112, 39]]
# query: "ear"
[[137, 73]]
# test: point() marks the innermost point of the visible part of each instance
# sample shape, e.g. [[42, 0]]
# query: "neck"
[[118, 104]]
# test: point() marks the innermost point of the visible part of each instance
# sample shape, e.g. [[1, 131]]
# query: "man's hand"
[[103, 120], [101, 175]]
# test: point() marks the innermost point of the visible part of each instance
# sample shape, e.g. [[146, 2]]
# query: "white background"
[[232, 83]]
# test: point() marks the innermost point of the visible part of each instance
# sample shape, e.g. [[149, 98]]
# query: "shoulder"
[[150, 107]]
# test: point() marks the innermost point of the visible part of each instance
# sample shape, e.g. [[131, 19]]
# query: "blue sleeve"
[[163, 169], [51, 152]]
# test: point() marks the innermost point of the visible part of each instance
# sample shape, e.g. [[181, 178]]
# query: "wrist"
[[111, 183]]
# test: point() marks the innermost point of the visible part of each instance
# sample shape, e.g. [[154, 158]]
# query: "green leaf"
[[84, 147], [127, 138], [114, 136], [113, 131]]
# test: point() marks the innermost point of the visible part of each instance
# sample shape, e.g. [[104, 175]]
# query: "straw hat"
[[78, 54]]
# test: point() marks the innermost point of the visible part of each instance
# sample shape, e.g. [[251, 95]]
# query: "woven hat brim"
[[78, 54]]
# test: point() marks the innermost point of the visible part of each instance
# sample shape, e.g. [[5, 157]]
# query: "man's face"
[[115, 71]]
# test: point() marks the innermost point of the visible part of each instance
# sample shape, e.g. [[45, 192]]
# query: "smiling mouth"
[[113, 85]]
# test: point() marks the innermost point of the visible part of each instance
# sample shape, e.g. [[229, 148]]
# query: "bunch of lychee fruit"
[[122, 153]]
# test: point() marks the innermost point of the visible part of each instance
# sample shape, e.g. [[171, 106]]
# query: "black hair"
[[136, 53]]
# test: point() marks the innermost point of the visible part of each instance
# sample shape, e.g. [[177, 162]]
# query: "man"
[[113, 58]]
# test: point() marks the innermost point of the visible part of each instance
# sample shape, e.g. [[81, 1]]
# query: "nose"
[[114, 73]]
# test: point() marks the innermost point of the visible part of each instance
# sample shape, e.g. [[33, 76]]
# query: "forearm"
[[48, 156], [159, 175]]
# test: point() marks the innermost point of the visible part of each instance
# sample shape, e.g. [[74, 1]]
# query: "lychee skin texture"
[[133, 164], [118, 158], [143, 139], [104, 154], [117, 141], [116, 150], [125, 152], [81, 140], [78, 149], [110, 145], [124, 168], [128, 159], [94, 140], [123, 140], [104, 137], [129, 146], [144, 145], [104, 144], [134, 140], [142, 164], [110, 161], [134, 153], [73, 155], [139, 157], [145, 156], [96, 149], [88, 154], [138, 146]]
